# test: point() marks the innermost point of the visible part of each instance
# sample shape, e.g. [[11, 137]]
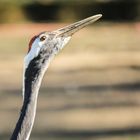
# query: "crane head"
[[45, 45]]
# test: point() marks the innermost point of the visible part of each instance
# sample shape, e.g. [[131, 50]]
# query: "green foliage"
[[11, 11]]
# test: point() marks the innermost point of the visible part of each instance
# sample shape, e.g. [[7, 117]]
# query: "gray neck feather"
[[33, 77]]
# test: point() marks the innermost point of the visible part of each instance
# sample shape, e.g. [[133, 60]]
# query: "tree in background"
[[67, 10]]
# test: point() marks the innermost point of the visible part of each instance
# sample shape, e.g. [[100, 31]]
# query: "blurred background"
[[92, 88]]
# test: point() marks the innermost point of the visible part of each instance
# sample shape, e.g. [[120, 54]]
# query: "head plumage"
[[31, 42]]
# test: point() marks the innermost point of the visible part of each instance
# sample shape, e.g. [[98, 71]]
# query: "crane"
[[42, 48]]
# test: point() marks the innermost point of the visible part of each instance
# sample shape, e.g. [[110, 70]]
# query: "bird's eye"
[[42, 38]]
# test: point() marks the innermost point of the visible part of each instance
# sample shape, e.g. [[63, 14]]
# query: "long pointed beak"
[[73, 28]]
